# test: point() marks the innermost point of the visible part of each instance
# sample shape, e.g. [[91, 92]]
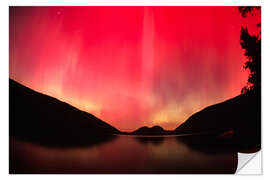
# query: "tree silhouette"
[[245, 10], [252, 46]]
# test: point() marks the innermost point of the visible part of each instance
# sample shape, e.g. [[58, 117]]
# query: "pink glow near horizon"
[[130, 66]]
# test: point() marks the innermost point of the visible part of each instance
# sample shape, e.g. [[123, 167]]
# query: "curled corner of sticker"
[[249, 164]]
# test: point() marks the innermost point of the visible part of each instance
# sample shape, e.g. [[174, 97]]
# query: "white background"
[[4, 37]]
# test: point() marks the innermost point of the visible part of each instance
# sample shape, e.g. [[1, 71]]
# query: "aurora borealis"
[[130, 66]]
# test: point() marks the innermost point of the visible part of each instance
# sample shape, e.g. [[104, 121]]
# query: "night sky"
[[130, 66]]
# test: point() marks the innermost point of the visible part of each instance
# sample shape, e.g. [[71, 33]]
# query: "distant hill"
[[239, 117], [44, 119], [155, 130]]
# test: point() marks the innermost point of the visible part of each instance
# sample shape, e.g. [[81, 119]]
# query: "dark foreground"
[[122, 154], [50, 136]]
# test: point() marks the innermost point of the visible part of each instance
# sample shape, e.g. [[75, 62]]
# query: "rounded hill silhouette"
[[155, 130]]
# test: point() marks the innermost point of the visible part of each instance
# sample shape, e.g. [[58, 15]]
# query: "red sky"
[[130, 66]]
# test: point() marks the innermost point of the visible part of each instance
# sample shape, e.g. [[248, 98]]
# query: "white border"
[[136, 2], [4, 77]]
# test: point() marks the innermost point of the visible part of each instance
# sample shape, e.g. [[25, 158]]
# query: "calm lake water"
[[123, 154]]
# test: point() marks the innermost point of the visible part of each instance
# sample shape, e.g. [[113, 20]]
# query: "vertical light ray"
[[147, 50], [130, 66]]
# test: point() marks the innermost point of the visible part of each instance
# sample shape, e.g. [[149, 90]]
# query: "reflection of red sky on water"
[[130, 66], [166, 155]]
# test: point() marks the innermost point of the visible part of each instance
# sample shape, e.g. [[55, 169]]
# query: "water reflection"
[[149, 139], [124, 154]]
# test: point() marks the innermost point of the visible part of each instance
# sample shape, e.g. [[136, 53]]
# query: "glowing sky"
[[130, 66]]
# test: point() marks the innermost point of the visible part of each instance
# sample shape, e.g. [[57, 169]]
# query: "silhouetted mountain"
[[239, 117], [155, 130], [44, 119]]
